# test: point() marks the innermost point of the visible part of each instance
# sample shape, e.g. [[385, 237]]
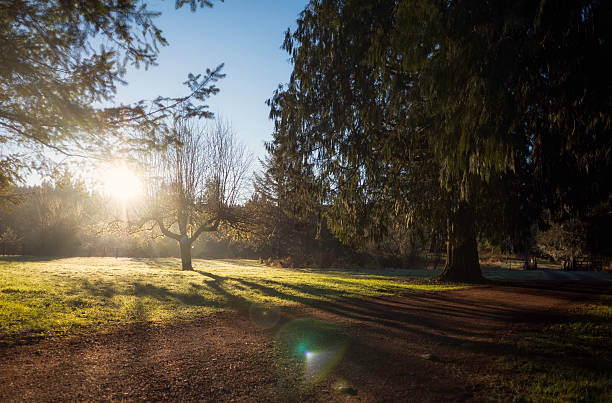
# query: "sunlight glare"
[[121, 183]]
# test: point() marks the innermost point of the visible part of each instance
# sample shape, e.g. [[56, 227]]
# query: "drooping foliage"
[[449, 111], [60, 63]]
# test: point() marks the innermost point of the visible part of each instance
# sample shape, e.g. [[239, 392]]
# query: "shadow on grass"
[[163, 294], [567, 361], [401, 319], [24, 258], [439, 317], [234, 301], [157, 263], [99, 288], [357, 272]]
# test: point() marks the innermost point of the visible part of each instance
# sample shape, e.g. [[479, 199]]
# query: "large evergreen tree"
[[284, 203], [60, 63], [440, 109]]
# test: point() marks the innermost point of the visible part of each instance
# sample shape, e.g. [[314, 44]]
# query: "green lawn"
[[566, 362], [40, 297]]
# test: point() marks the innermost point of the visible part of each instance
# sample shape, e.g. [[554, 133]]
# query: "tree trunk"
[[462, 252], [185, 245]]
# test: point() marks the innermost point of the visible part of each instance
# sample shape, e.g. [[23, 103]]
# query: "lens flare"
[[320, 363], [309, 346], [263, 316]]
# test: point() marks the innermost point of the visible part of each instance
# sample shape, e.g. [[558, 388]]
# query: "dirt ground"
[[420, 347]]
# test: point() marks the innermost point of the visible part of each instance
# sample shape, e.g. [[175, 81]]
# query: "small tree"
[[564, 241], [197, 183]]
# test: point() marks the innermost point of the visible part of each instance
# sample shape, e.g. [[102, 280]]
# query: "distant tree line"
[[62, 218]]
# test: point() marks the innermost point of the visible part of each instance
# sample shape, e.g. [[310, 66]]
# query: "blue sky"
[[246, 35]]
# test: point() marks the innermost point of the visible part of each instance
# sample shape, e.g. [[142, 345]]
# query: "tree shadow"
[[407, 319], [439, 318], [356, 272], [156, 263], [106, 289], [99, 288], [234, 301], [29, 258], [164, 294]]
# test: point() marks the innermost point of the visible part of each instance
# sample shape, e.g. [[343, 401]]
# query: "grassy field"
[[567, 362], [40, 297]]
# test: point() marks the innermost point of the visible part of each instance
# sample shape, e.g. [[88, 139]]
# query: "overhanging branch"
[[208, 226], [167, 232]]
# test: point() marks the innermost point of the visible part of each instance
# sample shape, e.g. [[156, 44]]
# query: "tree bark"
[[462, 263], [185, 245], [185, 242]]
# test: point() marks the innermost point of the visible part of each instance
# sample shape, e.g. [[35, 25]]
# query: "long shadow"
[[413, 322], [561, 289], [403, 317], [153, 263], [234, 301], [424, 274], [99, 288], [435, 318], [163, 294], [28, 258], [399, 320], [315, 302], [357, 305], [108, 290]]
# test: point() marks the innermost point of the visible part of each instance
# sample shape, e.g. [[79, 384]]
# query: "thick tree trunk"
[[462, 252], [185, 245], [184, 241]]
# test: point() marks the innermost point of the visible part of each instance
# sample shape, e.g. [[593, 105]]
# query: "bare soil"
[[419, 347]]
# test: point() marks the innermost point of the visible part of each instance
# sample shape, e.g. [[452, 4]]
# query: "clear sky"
[[246, 35]]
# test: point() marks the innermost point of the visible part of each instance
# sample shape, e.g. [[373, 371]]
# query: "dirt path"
[[418, 347]]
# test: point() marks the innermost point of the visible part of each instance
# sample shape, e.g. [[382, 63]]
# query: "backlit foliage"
[[61, 61]]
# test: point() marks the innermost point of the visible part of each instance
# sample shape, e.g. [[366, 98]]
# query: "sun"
[[121, 183]]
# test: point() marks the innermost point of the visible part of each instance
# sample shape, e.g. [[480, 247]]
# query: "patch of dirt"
[[419, 347]]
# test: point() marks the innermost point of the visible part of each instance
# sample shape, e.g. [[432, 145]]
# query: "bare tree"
[[197, 183]]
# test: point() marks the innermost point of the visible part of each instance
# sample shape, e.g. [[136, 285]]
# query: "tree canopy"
[[447, 110], [61, 61], [196, 184]]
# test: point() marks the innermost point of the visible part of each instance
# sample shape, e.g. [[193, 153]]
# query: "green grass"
[[41, 297], [566, 362]]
